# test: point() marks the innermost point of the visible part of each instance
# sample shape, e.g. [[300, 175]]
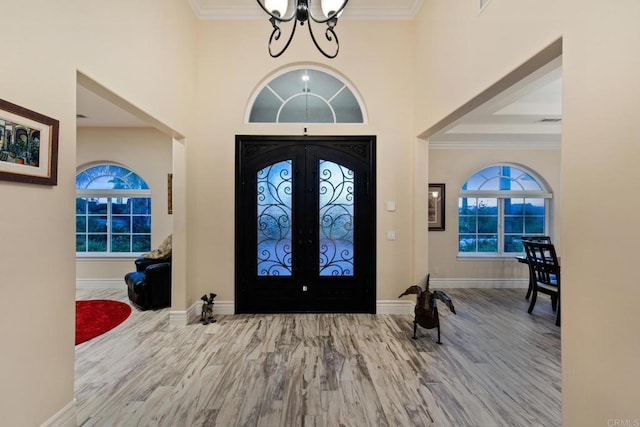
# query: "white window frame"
[[110, 194], [500, 195]]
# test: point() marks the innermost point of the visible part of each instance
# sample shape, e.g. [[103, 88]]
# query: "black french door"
[[305, 224]]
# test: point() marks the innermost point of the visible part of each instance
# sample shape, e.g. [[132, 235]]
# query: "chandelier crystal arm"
[[275, 35], [331, 36]]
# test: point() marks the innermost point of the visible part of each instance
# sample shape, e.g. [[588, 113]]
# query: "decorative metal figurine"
[[426, 311], [207, 309]]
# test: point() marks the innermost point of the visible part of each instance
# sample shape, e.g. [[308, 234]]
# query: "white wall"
[[461, 53], [148, 153], [376, 58], [148, 61]]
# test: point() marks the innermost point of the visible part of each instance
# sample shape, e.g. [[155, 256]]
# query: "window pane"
[[306, 109], [487, 224], [141, 243], [265, 107], [346, 108], [120, 243], [97, 224], [534, 225], [513, 206], [513, 243], [141, 224], [467, 205], [488, 243], [97, 206], [487, 206], [120, 205], [467, 243], [81, 242], [467, 224], [81, 224], [81, 205], [534, 207], [97, 243], [120, 224], [513, 224], [141, 205]]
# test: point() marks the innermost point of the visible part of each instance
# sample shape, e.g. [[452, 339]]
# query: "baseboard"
[[100, 284], [65, 417], [192, 314], [441, 283], [178, 318], [394, 307]]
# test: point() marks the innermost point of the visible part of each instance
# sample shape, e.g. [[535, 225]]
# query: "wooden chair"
[[545, 273], [539, 239]]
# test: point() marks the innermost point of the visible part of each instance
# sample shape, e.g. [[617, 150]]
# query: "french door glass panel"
[[337, 201], [274, 202]]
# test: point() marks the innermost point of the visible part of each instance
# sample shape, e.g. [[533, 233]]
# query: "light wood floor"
[[498, 366]]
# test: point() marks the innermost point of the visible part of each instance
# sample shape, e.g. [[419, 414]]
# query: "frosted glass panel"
[[274, 200], [337, 200]]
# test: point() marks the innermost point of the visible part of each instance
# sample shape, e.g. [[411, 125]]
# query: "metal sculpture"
[[426, 311], [207, 309]]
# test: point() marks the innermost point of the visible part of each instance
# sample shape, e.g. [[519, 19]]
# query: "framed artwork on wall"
[[28, 145], [435, 210]]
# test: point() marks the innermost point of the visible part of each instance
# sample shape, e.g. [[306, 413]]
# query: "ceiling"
[[527, 114]]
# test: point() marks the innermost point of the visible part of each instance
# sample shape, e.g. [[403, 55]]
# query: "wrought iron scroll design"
[[337, 201], [274, 201]]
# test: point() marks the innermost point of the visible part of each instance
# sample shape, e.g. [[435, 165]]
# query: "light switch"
[[391, 235], [391, 206]]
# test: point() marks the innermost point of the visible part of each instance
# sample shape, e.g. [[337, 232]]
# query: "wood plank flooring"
[[498, 366]]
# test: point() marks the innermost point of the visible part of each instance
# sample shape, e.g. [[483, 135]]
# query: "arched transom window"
[[306, 96], [497, 206], [113, 211]]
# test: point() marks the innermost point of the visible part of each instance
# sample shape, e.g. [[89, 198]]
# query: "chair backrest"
[[539, 239], [543, 261]]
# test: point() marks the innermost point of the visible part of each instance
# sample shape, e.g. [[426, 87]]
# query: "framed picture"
[[28, 145], [436, 207]]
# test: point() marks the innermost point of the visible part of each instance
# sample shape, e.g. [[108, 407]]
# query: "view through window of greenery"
[[113, 211], [497, 206]]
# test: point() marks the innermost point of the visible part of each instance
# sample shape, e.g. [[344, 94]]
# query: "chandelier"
[[278, 10]]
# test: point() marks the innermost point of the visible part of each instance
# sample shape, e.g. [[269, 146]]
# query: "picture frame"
[[435, 207], [170, 193], [28, 145]]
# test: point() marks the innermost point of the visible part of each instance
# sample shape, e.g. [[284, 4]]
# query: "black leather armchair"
[[149, 287]]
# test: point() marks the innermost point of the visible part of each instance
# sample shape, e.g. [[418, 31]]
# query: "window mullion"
[[109, 224]]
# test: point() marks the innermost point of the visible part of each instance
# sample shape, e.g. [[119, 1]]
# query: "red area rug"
[[97, 316]]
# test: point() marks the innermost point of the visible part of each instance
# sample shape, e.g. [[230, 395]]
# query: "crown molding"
[[502, 145], [206, 11]]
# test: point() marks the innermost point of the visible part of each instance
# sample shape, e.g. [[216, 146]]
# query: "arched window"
[[497, 206], [306, 95], [113, 211]]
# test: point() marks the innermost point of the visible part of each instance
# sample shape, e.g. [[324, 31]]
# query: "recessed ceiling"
[[526, 115], [95, 111]]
